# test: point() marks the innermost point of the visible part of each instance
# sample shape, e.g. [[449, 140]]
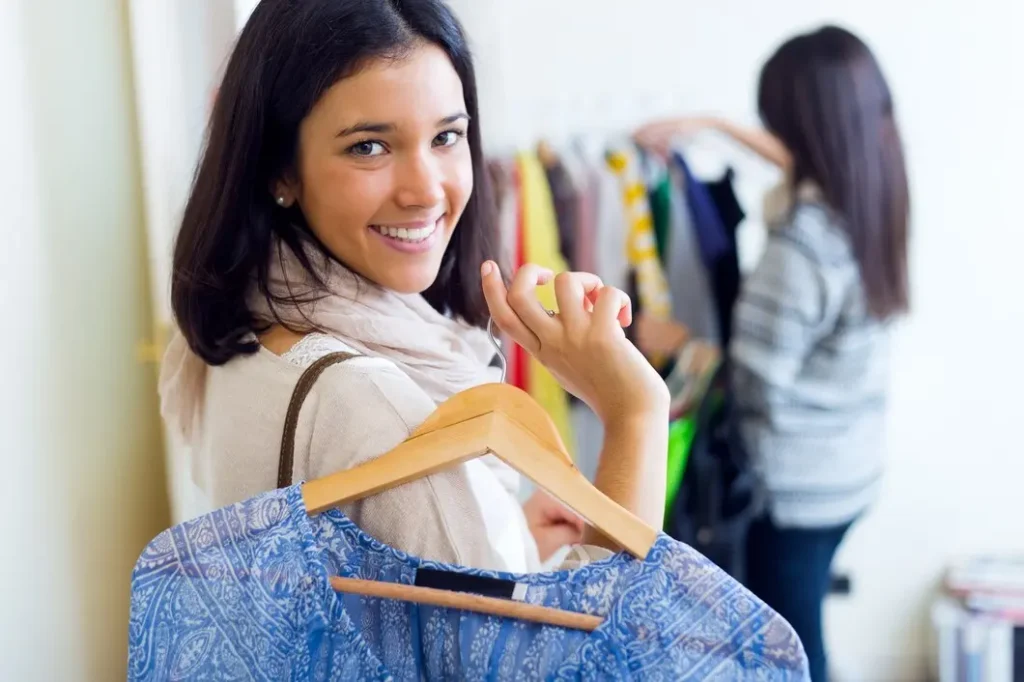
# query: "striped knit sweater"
[[810, 372]]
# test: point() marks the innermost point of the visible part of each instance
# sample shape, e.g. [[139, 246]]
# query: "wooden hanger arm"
[[468, 602], [414, 458], [514, 445], [488, 398], [502, 436]]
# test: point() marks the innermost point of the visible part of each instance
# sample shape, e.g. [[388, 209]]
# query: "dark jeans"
[[789, 568]]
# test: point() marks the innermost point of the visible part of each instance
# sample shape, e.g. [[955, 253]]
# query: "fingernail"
[[487, 268]]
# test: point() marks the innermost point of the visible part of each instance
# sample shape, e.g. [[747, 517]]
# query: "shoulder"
[[360, 385], [815, 232], [303, 351], [811, 249], [358, 370]]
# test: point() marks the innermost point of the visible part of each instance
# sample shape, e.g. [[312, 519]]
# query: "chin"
[[410, 281]]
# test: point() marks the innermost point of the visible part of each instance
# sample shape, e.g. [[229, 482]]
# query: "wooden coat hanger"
[[496, 419]]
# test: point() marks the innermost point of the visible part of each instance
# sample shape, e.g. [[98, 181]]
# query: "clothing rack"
[[643, 224]]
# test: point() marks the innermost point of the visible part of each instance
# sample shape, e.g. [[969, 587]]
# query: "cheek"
[[338, 199], [460, 185]]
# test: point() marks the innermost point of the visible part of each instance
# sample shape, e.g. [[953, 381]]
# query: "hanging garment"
[[660, 196], [563, 195], [717, 246], [642, 250], [540, 241], [506, 198], [693, 302], [680, 438], [244, 593], [718, 494], [584, 179], [506, 184], [611, 233], [659, 189], [723, 194], [642, 246], [519, 362]]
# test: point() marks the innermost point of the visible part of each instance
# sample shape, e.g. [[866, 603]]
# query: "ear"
[[284, 191]]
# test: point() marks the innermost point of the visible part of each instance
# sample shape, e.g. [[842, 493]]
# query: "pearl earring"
[[281, 201]]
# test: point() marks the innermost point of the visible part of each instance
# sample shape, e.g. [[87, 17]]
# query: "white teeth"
[[417, 234]]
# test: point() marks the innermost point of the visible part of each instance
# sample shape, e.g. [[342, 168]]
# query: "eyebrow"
[[371, 127]]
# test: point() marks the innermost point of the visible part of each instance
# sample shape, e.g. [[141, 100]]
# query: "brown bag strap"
[[291, 420]]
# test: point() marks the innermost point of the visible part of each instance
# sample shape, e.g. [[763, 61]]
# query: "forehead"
[[420, 87]]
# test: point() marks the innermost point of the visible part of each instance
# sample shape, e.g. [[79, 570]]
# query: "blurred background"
[[104, 107]]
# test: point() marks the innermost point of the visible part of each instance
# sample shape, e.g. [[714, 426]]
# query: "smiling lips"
[[406, 234], [409, 237]]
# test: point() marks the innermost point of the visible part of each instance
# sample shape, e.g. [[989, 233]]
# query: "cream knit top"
[[357, 410]]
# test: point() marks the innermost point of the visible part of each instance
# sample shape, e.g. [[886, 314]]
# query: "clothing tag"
[[472, 584]]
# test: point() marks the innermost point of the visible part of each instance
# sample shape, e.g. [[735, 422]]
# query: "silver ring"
[[551, 313]]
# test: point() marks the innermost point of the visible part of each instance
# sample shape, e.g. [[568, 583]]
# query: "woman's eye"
[[448, 138], [368, 148]]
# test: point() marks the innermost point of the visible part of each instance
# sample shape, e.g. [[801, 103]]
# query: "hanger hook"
[[497, 348]]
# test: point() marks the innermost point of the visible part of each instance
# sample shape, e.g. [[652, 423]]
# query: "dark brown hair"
[[824, 95], [287, 56]]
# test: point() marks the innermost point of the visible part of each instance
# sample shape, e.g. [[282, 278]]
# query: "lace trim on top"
[[312, 347]]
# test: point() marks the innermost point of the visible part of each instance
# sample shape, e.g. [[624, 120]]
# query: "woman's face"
[[384, 169]]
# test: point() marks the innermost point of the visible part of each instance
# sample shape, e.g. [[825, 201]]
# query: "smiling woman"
[[340, 212], [313, 148], [386, 192], [341, 205]]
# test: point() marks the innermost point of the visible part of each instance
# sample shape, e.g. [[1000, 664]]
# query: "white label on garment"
[[519, 592]]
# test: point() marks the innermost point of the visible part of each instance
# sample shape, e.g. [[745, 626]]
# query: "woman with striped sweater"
[[809, 344]]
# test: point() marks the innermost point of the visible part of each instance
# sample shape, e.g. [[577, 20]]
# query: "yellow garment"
[[540, 242], [642, 243]]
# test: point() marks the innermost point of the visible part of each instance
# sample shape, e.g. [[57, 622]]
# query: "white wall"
[[179, 50], [83, 478], [956, 455]]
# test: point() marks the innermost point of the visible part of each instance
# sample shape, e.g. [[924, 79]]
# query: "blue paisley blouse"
[[243, 594]]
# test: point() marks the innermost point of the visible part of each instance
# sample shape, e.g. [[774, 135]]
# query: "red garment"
[[520, 365]]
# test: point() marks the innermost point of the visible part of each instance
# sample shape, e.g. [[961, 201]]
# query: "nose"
[[420, 182]]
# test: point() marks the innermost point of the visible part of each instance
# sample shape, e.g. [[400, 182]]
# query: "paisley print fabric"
[[243, 594]]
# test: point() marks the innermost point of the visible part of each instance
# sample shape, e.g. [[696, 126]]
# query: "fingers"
[[501, 312], [581, 297], [613, 305], [522, 297], [573, 520], [564, 534], [575, 292]]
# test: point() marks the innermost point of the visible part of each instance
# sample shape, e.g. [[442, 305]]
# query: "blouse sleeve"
[[363, 409]]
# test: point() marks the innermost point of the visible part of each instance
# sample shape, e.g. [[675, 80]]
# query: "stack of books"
[[980, 621], [989, 585]]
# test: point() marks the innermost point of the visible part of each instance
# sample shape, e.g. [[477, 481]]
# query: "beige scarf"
[[443, 356]]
